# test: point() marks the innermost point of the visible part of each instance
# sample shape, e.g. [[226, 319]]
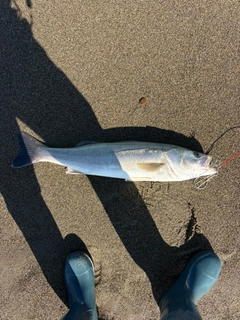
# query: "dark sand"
[[73, 70]]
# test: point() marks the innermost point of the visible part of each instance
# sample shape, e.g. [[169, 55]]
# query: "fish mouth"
[[209, 167], [206, 161]]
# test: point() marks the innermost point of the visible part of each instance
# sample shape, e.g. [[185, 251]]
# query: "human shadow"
[[34, 91]]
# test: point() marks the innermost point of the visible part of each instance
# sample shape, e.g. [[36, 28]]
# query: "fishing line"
[[212, 145], [201, 182], [230, 159]]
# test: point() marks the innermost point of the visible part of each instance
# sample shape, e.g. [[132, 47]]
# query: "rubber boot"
[[197, 279], [79, 281]]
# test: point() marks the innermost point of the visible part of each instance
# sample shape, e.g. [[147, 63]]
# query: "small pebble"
[[143, 100]]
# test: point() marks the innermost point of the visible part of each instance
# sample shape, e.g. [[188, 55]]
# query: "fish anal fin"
[[72, 171], [150, 166], [138, 179]]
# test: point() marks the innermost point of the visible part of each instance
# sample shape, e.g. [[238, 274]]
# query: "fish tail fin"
[[29, 151]]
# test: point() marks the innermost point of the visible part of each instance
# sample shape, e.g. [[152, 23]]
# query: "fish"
[[128, 160]]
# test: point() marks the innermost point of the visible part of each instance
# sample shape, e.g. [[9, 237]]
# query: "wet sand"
[[73, 71]]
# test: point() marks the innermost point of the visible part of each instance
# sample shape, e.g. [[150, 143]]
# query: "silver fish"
[[131, 160]]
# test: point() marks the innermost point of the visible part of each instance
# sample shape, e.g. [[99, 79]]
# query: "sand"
[[74, 70]]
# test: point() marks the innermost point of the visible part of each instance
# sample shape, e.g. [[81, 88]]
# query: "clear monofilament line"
[[201, 182]]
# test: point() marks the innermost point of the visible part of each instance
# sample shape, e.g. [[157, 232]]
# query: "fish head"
[[185, 164], [197, 164]]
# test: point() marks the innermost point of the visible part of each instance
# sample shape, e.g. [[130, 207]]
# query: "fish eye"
[[197, 154]]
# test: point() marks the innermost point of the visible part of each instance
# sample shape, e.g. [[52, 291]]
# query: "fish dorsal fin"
[[150, 166], [72, 171], [85, 142]]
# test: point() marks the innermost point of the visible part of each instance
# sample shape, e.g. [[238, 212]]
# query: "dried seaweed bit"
[[143, 100]]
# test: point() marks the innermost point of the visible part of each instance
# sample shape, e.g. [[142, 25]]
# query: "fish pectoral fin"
[[72, 171], [150, 166]]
